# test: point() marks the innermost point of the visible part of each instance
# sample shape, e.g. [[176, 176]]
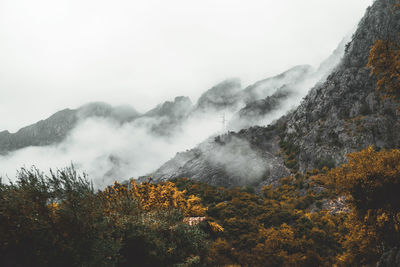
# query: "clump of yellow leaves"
[[54, 207], [369, 172], [384, 62], [216, 227], [371, 182], [155, 196]]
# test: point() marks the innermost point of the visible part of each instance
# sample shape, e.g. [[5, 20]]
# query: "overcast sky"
[[64, 53]]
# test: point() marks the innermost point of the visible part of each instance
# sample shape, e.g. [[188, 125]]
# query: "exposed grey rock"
[[345, 113]]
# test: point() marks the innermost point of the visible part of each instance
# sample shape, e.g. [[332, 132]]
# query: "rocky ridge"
[[163, 120], [56, 128]]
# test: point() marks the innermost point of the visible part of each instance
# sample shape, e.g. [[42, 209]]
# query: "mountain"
[[344, 113], [55, 128], [269, 99], [266, 87], [167, 118], [225, 95], [164, 120], [253, 113], [177, 109], [247, 157], [255, 105], [45, 132], [122, 114]]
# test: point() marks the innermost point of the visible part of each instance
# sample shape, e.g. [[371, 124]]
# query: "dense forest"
[[345, 216]]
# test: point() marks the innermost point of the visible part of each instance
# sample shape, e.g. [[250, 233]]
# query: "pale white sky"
[[64, 53]]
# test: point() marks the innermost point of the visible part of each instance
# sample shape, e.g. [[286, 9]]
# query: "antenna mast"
[[223, 122]]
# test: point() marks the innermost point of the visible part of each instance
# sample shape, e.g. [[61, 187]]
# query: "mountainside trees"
[[371, 182], [61, 221], [384, 62]]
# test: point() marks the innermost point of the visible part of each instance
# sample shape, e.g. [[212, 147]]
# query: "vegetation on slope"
[[384, 62], [60, 220]]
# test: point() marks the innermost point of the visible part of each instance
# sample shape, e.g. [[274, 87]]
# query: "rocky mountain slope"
[[343, 114], [250, 156], [43, 132], [55, 128], [346, 113]]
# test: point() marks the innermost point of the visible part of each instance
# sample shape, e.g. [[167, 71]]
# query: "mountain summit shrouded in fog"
[[121, 142], [58, 54], [340, 115]]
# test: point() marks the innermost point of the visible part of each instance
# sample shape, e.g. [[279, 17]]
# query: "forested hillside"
[[346, 216]]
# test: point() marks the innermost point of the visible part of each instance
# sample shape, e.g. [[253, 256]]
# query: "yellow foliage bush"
[[154, 196]]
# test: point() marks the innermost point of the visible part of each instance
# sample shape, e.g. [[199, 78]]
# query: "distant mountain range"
[[249, 104]]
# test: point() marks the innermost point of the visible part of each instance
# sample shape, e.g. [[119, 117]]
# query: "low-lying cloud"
[[109, 150]]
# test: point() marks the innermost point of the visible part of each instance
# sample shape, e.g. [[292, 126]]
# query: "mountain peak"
[[101, 109], [223, 95], [178, 108]]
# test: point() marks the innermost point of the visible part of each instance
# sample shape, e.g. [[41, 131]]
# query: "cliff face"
[[343, 114], [346, 113]]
